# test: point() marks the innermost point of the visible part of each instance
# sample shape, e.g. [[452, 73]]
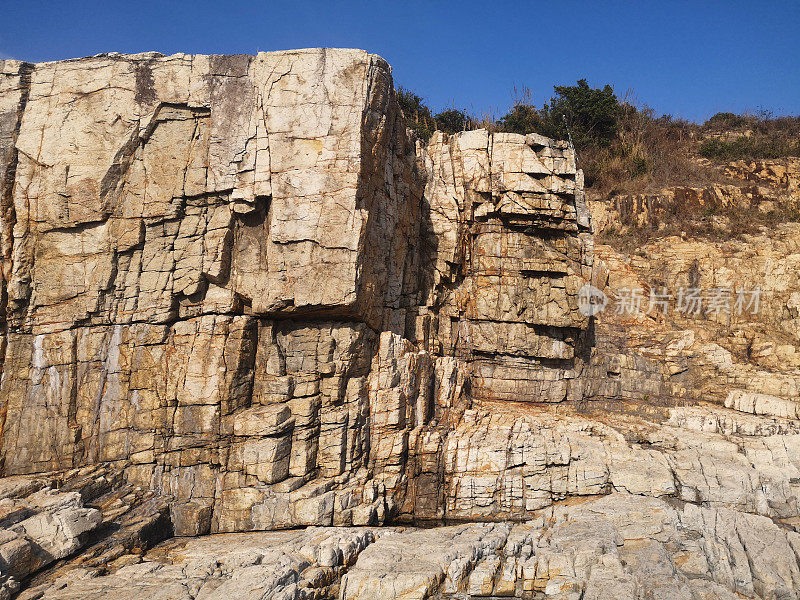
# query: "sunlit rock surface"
[[238, 297]]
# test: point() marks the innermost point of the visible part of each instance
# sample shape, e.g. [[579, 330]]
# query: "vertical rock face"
[[242, 284], [159, 214], [150, 189], [240, 280], [511, 233]]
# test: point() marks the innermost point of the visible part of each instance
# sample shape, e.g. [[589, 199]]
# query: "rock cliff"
[[237, 295]]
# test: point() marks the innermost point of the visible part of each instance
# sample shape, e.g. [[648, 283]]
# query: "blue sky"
[[690, 59]]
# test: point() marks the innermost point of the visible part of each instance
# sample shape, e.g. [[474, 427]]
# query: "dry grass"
[[649, 153], [687, 218], [652, 152], [645, 152], [729, 137]]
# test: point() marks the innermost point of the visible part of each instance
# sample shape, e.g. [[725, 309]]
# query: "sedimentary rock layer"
[[242, 282], [615, 546], [237, 295]]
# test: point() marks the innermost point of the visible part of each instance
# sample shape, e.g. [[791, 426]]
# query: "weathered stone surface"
[[159, 214], [503, 465], [49, 520], [145, 182], [238, 295], [619, 546], [512, 250], [780, 174], [202, 251], [290, 565]]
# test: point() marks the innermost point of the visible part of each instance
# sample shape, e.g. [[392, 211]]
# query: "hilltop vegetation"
[[622, 146]]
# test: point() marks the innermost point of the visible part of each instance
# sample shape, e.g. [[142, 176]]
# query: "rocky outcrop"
[[81, 518], [240, 281], [39, 529], [778, 174], [238, 295], [511, 231], [619, 546], [281, 565], [171, 223]]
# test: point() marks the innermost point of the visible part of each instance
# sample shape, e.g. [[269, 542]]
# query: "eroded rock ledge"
[[237, 295]]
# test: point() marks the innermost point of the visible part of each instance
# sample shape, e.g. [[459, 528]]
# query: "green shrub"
[[417, 114], [420, 119], [727, 136], [622, 146], [589, 115], [453, 121], [522, 118]]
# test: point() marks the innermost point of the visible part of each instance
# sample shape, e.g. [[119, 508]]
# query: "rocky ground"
[[617, 545], [700, 504]]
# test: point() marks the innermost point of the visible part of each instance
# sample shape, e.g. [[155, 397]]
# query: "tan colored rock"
[[185, 156], [513, 249], [158, 214], [762, 404], [238, 295]]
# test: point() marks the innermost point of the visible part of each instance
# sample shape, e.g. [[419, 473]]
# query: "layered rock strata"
[[511, 232], [239, 280], [238, 295], [616, 546]]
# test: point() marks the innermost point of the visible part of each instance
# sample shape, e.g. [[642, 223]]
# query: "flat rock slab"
[[291, 564]]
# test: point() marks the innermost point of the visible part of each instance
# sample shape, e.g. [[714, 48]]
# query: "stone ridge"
[[513, 247], [117, 147]]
